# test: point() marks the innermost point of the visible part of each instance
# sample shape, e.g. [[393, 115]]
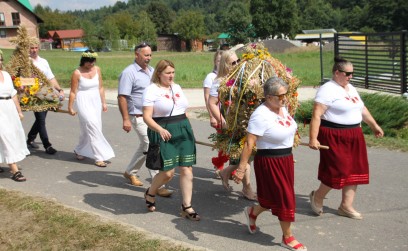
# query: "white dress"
[[13, 146], [92, 143]]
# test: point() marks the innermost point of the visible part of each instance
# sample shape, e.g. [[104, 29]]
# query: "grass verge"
[[30, 223]]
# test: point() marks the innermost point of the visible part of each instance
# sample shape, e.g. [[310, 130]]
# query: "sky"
[[65, 5]]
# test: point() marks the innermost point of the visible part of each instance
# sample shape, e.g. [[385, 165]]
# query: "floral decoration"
[[241, 92], [35, 92]]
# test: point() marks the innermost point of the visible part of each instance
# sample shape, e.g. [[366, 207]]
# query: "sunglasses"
[[280, 96], [142, 45], [234, 63], [348, 73]]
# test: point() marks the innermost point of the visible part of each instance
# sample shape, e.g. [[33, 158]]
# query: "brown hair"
[[160, 67], [340, 63]]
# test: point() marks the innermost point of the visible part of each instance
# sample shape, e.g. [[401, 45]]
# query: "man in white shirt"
[[39, 124]]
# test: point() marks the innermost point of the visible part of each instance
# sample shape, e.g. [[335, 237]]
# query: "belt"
[[137, 115], [5, 97]]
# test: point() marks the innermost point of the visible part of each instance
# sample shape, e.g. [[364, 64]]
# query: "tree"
[[189, 25], [386, 15], [274, 17], [161, 15], [237, 22], [147, 30], [54, 20]]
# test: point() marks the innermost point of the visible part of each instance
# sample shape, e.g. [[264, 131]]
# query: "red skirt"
[[275, 185], [346, 162]]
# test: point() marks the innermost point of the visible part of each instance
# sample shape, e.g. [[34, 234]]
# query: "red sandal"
[[285, 243], [250, 215]]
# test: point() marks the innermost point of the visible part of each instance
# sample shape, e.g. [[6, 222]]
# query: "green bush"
[[390, 112]]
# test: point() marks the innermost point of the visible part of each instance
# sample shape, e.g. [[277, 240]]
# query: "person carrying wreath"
[[272, 130], [336, 122]]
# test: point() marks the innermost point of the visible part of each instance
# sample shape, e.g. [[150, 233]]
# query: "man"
[[39, 124], [132, 82]]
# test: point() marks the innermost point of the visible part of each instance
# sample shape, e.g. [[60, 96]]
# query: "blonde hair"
[[160, 67], [224, 67], [34, 41]]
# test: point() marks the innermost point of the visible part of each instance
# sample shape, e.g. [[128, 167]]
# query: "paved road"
[[103, 191]]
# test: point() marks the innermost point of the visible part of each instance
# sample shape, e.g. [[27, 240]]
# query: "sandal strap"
[[288, 240], [17, 175], [185, 208], [251, 215]]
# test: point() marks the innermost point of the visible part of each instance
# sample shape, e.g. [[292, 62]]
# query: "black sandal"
[[191, 216], [150, 205], [18, 176]]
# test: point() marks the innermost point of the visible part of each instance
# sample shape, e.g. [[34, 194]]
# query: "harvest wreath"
[[241, 92]]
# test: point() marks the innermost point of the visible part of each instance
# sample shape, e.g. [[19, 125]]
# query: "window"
[[2, 23], [2, 33], [16, 18]]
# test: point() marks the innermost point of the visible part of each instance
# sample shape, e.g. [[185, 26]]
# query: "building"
[[14, 13], [313, 36], [67, 39]]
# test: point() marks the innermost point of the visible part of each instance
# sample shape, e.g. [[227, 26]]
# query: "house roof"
[[67, 33], [313, 36], [224, 36], [26, 4]]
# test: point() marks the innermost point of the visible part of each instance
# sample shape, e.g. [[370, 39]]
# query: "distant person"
[[39, 123], [88, 94], [272, 130], [220, 160], [164, 111], [228, 61], [132, 82], [336, 122], [13, 147]]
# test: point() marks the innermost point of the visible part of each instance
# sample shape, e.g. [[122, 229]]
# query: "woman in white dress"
[[89, 96], [13, 147]]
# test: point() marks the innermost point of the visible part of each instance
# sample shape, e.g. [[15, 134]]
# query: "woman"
[[164, 112], [337, 113], [272, 130], [228, 60], [13, 147], [89, 96], [218, 161]]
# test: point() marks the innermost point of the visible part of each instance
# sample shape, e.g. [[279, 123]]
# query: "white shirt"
[[162, 100], [44, 67], [214, 88], [209, 79], [273, 131], [343, 107]]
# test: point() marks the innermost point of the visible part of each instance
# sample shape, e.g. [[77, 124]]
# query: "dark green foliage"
[[390, 112]]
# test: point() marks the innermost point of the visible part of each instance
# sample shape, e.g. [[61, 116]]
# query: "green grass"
[[30, 223], [191, 67]]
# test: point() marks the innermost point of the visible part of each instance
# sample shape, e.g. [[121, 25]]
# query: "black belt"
[[5, 98], [172, 119], [137, 115], [329, 124], [274, 152]]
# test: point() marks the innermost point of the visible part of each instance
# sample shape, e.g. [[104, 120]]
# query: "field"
[[191, 67]]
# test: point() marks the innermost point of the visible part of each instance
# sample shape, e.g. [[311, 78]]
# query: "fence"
[[379, 59]]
